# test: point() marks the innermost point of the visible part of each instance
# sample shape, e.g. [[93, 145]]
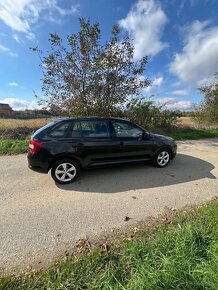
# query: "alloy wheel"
[[65, 172], [163, 158]]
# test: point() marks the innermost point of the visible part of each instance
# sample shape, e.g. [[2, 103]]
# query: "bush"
[[151, 116], [208, 110], [19, 133]]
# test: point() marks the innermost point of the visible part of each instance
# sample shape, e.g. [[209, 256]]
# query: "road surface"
[[39, 220]]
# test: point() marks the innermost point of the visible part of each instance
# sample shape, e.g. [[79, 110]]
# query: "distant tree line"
[[31, 114]]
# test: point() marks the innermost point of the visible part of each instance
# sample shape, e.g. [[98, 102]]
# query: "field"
[[6, 124], [177, 252], [191, 123]]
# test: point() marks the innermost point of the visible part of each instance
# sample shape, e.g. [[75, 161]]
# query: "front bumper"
[[174, 150]]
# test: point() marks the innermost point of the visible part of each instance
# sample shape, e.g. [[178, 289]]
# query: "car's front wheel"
[[162, 158], [65, 171]]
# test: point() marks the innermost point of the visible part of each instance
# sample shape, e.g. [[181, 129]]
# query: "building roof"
[[5, 106]]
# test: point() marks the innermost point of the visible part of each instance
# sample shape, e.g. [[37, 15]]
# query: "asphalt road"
[[39, 220]]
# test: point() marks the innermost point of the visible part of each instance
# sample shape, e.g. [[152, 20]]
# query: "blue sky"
[[179, 37]]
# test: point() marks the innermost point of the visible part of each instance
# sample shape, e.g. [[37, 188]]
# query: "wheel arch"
[[60, 157], [162, 148]]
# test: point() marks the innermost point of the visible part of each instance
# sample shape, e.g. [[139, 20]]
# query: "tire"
[[162, 158], [65, 171]]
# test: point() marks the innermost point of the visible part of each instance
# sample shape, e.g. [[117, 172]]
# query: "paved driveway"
[[39, 220]]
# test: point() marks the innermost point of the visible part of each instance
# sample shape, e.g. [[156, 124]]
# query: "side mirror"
[[145, 135], [142, 136]]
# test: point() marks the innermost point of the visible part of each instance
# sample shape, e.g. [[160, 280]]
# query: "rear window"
[[43, 128], [60, 131]]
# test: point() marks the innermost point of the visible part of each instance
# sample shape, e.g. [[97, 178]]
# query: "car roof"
[[89, 118]]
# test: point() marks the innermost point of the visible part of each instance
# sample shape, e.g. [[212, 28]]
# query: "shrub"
[[208, 109], [151, 116], [16, 133]]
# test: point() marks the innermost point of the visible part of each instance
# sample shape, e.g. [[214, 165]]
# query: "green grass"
[[13, 146], [189, 133], [180, 255]]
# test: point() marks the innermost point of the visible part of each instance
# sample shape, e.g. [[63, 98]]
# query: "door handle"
[[77, 145]]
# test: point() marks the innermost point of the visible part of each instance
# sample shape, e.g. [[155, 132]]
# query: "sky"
[[180, 38]]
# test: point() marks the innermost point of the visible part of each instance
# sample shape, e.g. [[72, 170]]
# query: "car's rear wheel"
[[65, 171], [162, 158]]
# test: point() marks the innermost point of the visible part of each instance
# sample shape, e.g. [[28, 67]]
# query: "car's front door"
[[132, 141]]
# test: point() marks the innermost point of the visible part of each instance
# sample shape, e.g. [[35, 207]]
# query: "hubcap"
[[65, 172], [163, 158]]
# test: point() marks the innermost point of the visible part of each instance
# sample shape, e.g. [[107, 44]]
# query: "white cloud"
[[145, 23], [21, 14], [4, 48], [197, 63], [175, 104], [13, 84], [16, 38], [180, 92], [65, 12], [156, 83], [7, 50], [20, 104], [14, 54]]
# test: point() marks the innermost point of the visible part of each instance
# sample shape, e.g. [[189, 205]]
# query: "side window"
[[60, 131], [75, 131], [94, 128], [125, 129]]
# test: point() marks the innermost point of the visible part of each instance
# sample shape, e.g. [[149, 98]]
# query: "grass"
[[179, 254], [13, 146], [191, 133]]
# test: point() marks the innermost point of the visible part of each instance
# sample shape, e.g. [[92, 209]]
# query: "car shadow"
[[182, 169]]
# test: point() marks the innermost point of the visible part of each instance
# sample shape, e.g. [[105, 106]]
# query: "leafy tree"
[[208, 110], [86, 77]]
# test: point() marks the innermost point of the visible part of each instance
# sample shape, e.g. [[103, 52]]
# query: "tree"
[[86, 77], [208, 110]]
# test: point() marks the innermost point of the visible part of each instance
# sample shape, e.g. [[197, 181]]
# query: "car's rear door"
[[95, 146]]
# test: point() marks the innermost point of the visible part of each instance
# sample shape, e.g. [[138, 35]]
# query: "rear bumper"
[[36, 164]]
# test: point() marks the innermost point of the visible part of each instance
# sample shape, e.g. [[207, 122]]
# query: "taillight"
[[34, 146]]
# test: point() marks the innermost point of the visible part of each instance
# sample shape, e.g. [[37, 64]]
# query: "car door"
[[132, 141], [95, 145]]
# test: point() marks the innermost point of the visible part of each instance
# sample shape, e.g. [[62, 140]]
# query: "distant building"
[[5, 111]]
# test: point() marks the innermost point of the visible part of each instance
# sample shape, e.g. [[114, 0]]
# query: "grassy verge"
[[189, 133], [177, 254], [13, 146]]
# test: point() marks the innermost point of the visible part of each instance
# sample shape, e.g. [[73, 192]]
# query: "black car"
[[68, 145]]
